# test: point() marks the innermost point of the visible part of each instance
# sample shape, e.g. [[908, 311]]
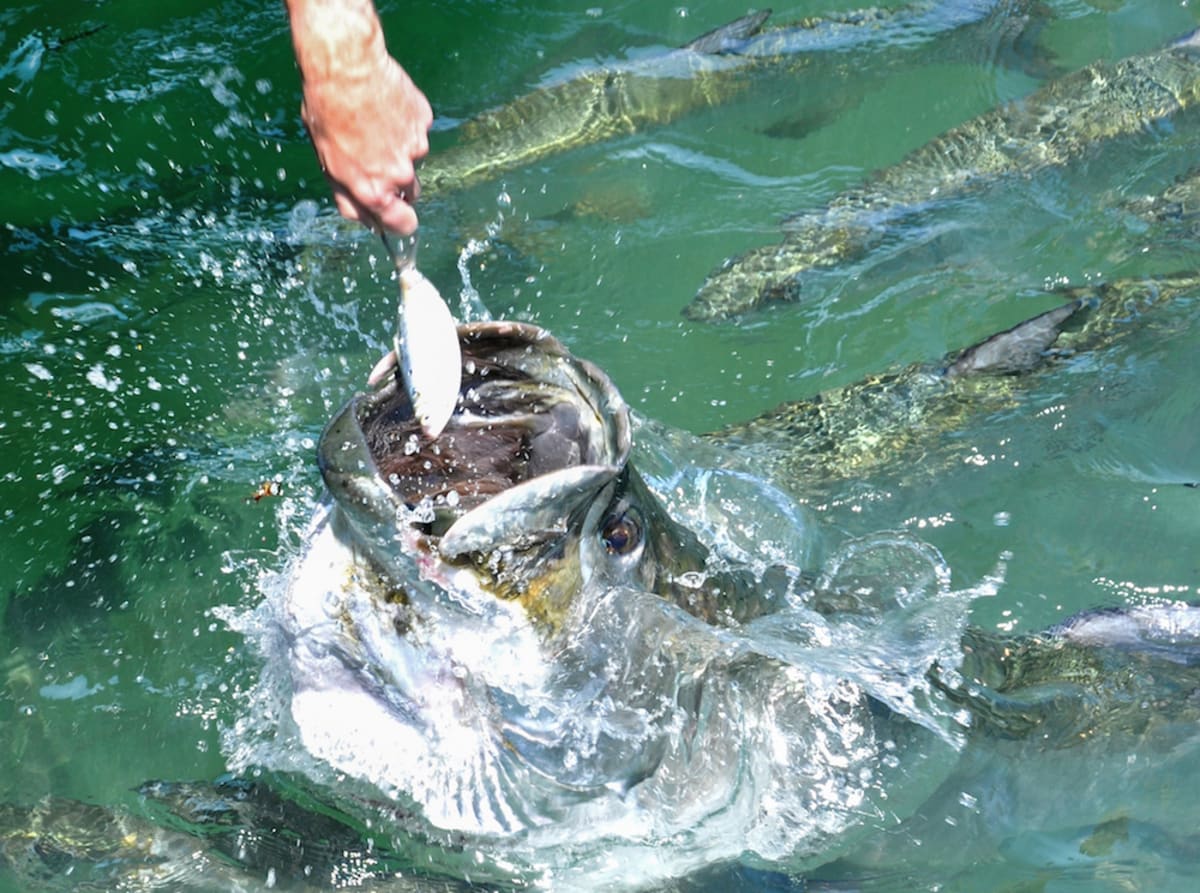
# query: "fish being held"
[[1055, 125]]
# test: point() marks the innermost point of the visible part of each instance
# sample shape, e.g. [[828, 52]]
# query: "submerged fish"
[[711, 70], [1053, 126], [891, 421], [505, 658]]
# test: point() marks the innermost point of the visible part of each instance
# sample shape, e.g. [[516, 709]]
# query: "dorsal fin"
[[1019, 349], [1189, 42], [726, 38]]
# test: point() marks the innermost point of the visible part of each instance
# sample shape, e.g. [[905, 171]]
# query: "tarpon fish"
[[527, 521], [504, 642], [1054, 126], [891, 421], [713, 69]]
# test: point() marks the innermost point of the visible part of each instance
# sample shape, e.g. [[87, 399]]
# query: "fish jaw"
[[537, 436], [405, 714]]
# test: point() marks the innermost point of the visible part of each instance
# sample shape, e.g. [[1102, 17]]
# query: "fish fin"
[[58, 43], [1019, 349], [726, 38], [1189, 42]]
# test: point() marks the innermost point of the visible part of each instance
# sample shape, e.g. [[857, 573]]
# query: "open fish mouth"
[[536, 435], [418, 615]]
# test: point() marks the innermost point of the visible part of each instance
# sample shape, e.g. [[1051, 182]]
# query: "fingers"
[[349, 208], [389, 211], [398, 216], [368, 135]]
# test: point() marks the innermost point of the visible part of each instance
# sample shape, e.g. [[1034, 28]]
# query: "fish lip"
[[379, 501]]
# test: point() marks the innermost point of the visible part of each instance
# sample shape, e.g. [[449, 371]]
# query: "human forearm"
[[366, 118], [336, 39]]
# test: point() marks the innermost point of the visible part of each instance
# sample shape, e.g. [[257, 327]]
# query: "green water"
[[176, 327]]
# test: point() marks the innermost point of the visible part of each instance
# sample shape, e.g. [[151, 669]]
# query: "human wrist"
[[336, 40]]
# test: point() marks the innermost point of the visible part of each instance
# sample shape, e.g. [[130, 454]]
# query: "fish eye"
[[622, 532]]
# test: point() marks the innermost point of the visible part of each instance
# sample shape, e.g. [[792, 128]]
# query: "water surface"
[[182, 313]]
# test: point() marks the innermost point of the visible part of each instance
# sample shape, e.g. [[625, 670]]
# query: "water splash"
[[471, 307], [24, 62], [643, 742]]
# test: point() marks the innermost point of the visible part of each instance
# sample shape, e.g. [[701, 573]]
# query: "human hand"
[[368, 136], [366, 118]]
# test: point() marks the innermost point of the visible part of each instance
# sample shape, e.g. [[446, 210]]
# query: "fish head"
[[526, 497], [503, 631], [459, 599]]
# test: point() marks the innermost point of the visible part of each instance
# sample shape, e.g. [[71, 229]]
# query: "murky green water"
[[178, 323]]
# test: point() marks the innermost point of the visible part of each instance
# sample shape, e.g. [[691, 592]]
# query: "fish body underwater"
[[1056, 125], [599, 103]]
